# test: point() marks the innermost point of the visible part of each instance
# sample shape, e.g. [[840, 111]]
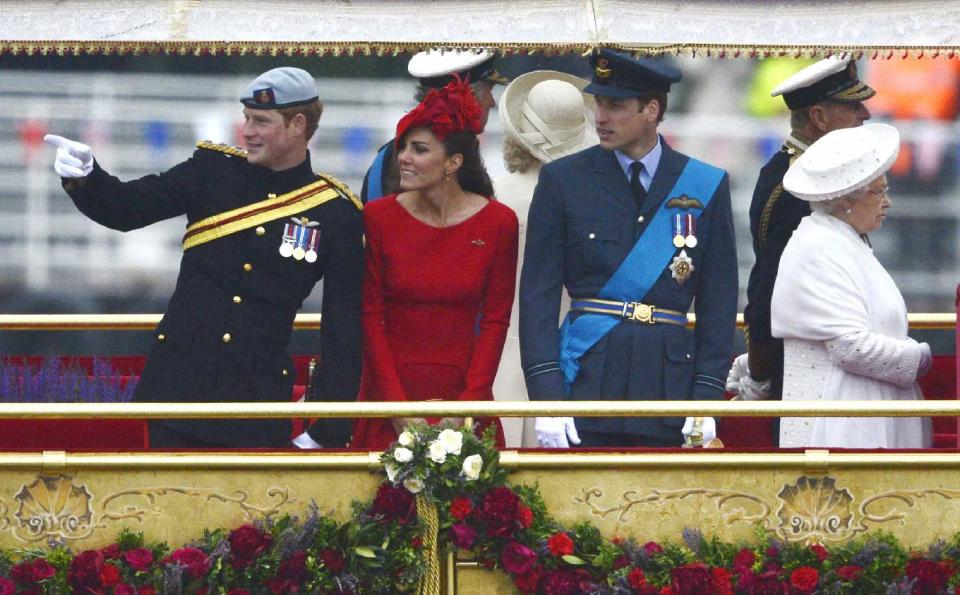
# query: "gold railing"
[[147, 322]]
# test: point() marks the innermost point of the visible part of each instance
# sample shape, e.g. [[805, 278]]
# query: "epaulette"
[[222, 148], [344, 190]]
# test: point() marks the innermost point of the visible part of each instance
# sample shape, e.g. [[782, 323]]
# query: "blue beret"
[[616, 74], [280, 87]]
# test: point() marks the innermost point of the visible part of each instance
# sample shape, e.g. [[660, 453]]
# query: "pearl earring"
[[848, 210]]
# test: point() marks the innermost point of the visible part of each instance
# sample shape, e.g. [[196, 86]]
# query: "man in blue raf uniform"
[[636, 232], [262, 229], [824, 96]]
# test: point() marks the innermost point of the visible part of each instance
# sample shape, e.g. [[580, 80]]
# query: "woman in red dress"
[[440, 270]]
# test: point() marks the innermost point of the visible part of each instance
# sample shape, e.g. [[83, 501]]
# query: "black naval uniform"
[[774, 215], [225, 333]]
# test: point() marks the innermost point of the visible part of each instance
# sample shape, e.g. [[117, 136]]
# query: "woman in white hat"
[[841, 317], [545, 116]]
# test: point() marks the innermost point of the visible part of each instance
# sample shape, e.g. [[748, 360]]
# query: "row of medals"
[[682, 265], [300, 240]]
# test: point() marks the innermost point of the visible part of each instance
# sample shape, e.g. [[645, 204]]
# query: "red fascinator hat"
[[450, 109]]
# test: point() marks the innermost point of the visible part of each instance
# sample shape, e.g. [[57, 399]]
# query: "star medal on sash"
[[690, 241], [289, 238], [682, 267], [678, 230]]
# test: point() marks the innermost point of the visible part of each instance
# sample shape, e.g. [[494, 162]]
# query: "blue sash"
[[375, 176], [639, 270]]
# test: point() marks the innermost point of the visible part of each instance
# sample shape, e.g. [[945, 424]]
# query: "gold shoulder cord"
[[343, 188], [768, 209], [222, 148]]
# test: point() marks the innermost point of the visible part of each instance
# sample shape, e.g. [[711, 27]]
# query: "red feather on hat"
[[447, 110]]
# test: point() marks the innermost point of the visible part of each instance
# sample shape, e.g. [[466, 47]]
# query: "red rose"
[[561, 582], [767, 583], [820, 552], [744, 559], [417, 542], [246, 543], [621, 562], [931, 577], [139, 559], [691, 579], [850, 573], [560, 544], [525, 515], [804, 579], [7, 587], [527, 583], [463, 536], [394, 503], [109, 575], [22, 573], [666, 591], [721, 581], [518, 558], [42, 570], [637, 579], [461, 508], [290, 575], [500, 510], [652, 548], [111, 552], [238, 592], [147, 590], [333, 560], [196, 563], [124, 589], [84, 572]]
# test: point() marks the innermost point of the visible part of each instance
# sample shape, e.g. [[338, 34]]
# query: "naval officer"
[[636, 232]]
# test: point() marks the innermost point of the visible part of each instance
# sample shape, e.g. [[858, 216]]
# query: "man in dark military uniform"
[[636, 232], [262, 229], [433, 70], [822, 97]]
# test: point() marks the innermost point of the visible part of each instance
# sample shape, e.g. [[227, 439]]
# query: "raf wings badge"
[[684, 202]]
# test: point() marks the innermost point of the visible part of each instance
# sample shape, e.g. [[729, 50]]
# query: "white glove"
[[553, 432], [926, 361], [708, 427], [74, 160], [305, 442], [742, 385]]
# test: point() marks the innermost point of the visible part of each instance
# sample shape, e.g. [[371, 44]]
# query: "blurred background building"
[[143, 115]]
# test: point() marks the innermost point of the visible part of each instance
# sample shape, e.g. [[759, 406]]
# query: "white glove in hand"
[[739, 369], [304, 441], [926, 361], [74, 160], [708, 427], [554, 432]]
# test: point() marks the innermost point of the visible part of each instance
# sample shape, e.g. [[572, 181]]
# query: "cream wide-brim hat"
[[547, 112], [843, 161]]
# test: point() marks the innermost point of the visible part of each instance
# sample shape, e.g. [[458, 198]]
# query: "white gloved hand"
[[305, 442], [926, 361], [739, 369], [708, 427], [74, 160], [554, 432]]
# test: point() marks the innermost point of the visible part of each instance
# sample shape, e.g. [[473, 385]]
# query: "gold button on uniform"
[[161, 337], [260, 230], [271, 195], [247, 267], [226, 337], [237, 299]]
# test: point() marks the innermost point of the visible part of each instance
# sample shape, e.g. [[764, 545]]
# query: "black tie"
[[639, 193]]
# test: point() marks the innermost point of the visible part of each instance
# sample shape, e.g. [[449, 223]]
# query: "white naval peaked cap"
[[280, 87], [435, 67], [834, 78], [843, 161]]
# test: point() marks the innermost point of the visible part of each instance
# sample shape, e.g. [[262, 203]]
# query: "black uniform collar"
[[298, 175]]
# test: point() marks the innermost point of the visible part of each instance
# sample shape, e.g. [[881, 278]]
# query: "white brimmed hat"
[[435, 68], [546, 111], [843, 161], [831, 79]]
